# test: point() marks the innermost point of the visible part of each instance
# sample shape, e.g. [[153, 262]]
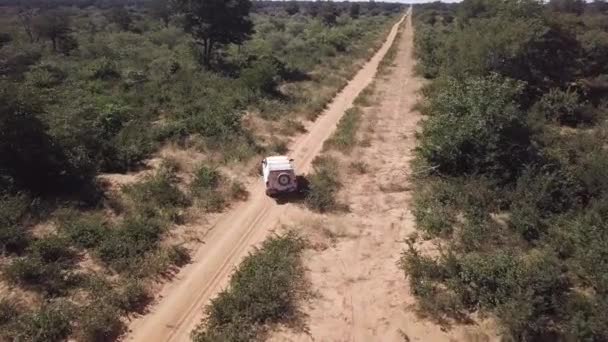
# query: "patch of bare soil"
[[360, 292]]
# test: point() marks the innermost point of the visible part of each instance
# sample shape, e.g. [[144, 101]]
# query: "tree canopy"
[[216, 22]]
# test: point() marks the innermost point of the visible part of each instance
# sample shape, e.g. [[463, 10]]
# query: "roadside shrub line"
[[262, 293]]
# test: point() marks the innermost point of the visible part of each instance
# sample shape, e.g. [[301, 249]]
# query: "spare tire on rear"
[[284, 179]]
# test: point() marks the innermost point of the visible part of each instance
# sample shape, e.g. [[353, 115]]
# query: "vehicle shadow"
[[295, 197]]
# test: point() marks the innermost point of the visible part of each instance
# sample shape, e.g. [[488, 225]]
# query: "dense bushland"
[[92, 87], [134, 82], [511, 166], [263, 291]]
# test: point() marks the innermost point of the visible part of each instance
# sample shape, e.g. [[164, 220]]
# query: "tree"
[[568, 6], [329, 13], [121, 17], [313, 9], [5, 38], [53, 25], [601, 6], [29, 158], [372, 7], [26, 15], [216, 22], [161, 9], [355, 10], [292, 8]]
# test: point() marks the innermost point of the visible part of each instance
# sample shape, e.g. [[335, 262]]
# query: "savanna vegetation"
[[263, 292], [90, 88], [512, 167]]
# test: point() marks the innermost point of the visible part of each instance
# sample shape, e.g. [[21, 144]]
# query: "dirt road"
[[360, 293], [180, 305]]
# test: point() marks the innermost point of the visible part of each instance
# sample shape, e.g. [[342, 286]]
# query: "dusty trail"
[[360, 293], [180, 305]]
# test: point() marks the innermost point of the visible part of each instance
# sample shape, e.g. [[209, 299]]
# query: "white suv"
[[279, 175]]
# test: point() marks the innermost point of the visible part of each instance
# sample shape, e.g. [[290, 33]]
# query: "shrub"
[[128, 147], [161, 262], [126, 244], [99, 321], [132, 296], [468, 132], [205, 179], [263, 75], [206, 188], [345, 136], [337, 40], [178, 255], [52, 248], [323, 185], [103, 69], [13, 209], [433, 207], [564, 107], [428, 45], [157, 196], [364, 98], [46, 76], [250, 303], [51, 278], [238, 191], [540, 194], [51, 323], [84, 230]]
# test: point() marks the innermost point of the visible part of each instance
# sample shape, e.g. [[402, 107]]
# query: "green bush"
[[563, 107], [51, 323], [103, 69], [323, 185], [539, 195], [238, 191], [263, 75], [206, 188], [469, 132], [244, 310], [132, 296], [345, 136], [52, 248], [126, 244], [46, 76], [128, 148], [99, 321], [49, 277], [13, 237], [428, 46], [160, 263], [205, 179], [433, 207], [157, 196], [84, 230]]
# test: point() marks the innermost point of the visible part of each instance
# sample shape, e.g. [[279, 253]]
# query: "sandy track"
[[180, 304], [360, 293]]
